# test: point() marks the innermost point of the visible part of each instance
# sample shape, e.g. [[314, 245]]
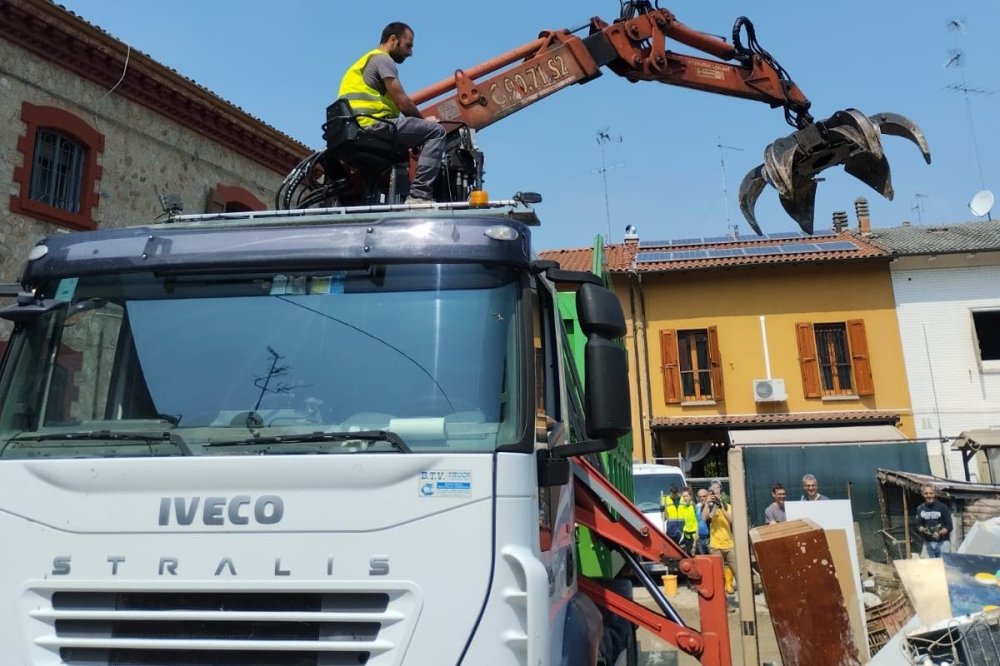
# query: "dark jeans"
[[413, 132]]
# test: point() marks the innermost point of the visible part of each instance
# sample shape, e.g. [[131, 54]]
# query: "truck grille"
[[253, 628]]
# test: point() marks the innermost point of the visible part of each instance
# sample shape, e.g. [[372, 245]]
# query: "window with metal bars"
[[695, 367], [833, 354], [57, 170], [834, 359], [57, 179], [691, 365]]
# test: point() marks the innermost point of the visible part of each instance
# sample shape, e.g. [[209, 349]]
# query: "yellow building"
[[730, 337]]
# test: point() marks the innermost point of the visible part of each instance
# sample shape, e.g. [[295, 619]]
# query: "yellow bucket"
[[669, 585]]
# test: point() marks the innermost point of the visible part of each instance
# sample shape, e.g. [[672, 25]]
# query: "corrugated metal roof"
[[937, 239], [945, 488], [977, 439]]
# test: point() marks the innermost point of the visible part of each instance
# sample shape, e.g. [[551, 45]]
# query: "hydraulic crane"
[[634, 46]]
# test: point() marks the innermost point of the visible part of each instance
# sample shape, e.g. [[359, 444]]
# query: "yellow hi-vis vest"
[[362, 97]]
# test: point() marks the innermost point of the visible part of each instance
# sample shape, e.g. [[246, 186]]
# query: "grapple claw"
[[802, 206], [779, 159], [847, 138], [872, 172], [865, 134], [897, 125], [750, 189]]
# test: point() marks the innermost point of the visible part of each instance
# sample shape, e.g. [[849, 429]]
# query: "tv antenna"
[[956, 60], [605, 137], [918, 205], [734, 228]]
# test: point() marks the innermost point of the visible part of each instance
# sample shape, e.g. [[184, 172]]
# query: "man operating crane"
[[371, 86]]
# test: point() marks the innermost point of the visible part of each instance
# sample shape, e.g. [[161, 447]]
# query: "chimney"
[[631, 234], [907, 223], [864, 222], [839, 220]]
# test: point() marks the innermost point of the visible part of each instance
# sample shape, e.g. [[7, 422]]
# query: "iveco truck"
[[315, 437]]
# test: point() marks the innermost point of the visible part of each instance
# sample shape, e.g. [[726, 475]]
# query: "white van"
[[650, 481]]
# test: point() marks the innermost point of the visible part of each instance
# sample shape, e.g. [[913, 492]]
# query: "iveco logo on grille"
[[237, 510]]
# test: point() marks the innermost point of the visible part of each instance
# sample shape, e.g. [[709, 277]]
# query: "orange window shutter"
[[808, 362], [670, 369], [715, 358], [859, 357]]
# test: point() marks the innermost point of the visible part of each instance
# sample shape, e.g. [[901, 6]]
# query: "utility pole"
[[730, 227]]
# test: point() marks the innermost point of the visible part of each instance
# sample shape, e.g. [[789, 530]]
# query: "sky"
[[668, 176]]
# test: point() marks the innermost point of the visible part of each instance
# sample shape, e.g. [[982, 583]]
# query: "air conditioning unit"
[[769, 390]]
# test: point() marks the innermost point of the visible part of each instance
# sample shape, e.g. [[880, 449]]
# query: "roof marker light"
[[502, 232], [479, 199]]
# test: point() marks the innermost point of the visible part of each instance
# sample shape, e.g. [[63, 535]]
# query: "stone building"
[[94, 132]]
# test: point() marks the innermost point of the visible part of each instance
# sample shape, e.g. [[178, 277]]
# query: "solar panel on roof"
[[840, 245], [797, 248], [687, 241], [655, 243], [719, 239], [785, 235], [726, 252], [648, 257], [824, 233], [688, 254], [762, 250]]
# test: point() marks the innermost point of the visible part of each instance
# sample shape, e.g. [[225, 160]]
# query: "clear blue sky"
[[282, 62]]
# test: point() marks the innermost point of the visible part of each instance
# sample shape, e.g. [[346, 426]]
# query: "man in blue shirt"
[[934, 524]]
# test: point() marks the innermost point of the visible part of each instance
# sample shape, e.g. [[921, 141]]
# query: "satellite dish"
[[982, 203]]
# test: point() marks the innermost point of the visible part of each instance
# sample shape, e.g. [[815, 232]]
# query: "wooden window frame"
[[809, 360], [670, 366], [51, 118]]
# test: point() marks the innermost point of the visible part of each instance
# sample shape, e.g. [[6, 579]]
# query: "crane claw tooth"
[[897, 125], [751, 187]]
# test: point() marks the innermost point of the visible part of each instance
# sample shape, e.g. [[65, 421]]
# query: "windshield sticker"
[[66, 289], [327, 284], [445, 483]]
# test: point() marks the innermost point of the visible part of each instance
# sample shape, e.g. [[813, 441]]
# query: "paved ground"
[[685, 602]]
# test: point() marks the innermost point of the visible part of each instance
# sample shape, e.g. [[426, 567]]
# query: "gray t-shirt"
[[775, 513], [379, 67]]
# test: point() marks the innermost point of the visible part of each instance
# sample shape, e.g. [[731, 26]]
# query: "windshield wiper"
[[320, 436], [108, 435]]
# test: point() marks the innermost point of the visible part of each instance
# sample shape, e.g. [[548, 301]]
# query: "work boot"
[[410, 200]]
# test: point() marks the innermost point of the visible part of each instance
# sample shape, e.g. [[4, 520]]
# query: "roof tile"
[[937, 239], [799, 418]]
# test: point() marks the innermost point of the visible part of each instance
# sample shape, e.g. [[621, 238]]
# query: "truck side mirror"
[[606, 392]]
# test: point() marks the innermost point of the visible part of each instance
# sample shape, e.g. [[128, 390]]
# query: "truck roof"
[[295, 240]]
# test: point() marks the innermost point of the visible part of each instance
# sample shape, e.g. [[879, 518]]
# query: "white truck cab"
[[299, 438]]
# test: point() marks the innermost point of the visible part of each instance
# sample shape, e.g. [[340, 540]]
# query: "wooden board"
[[927, 588], [836, 515], [808, 611], [846, 576]]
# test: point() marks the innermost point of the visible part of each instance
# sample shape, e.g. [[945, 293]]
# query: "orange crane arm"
[[634, 48]]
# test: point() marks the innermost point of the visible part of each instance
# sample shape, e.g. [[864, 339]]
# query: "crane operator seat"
[[373, 157]]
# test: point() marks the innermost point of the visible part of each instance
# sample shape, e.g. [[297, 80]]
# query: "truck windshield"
[[389, 359], [649, 488]]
